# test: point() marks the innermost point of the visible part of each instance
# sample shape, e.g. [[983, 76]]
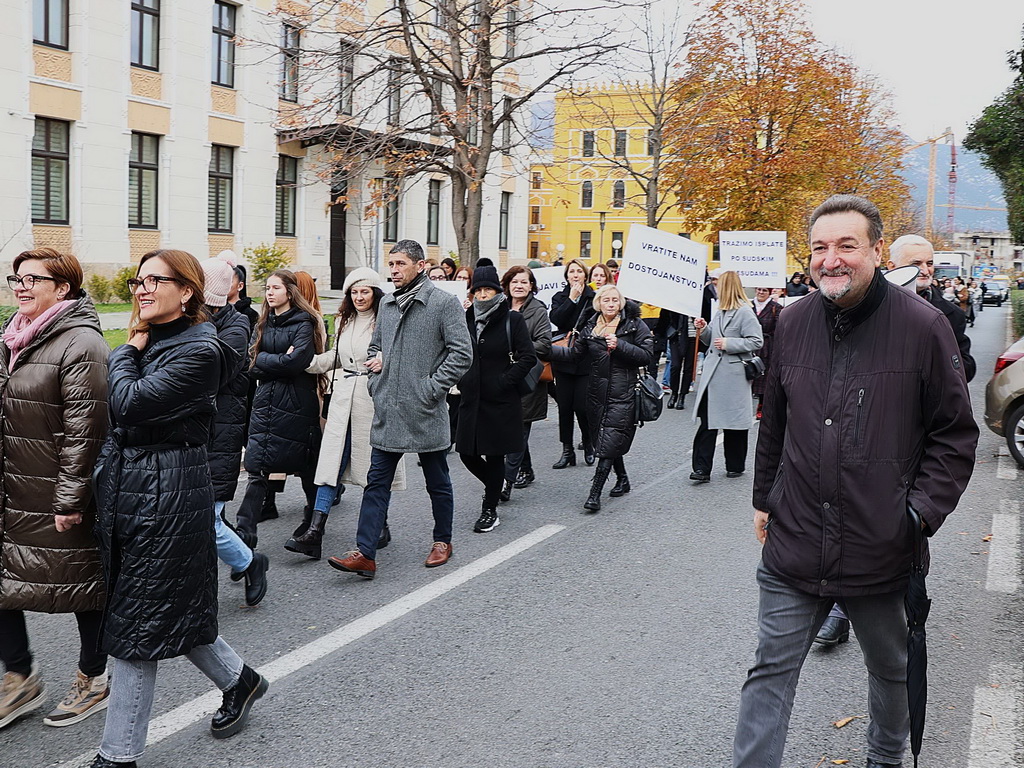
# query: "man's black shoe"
[[385, 537], [833, 632], [238, 700], [102, 762], [700, 477], [256, 579], [734, 474]]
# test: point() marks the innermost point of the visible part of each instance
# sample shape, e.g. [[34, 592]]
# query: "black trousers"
[[681, 372], [571, 396], [256, 494], [15, 653], [489, 470], [704, 444], [514, 462]]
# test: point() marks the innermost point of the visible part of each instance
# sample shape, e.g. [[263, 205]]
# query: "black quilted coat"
[[228, 432], [284, 429], [566, 315], [611, 404], [491, 411], [155, 498]]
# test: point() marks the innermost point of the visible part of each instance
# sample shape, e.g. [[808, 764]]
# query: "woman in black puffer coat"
[[155, 507], [571, 309], [615, 343], [284, 429]]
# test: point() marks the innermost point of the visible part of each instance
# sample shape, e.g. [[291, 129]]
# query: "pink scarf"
[[21, 332]]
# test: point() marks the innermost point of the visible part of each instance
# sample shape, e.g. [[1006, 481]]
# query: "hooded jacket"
[[228, 433], [155, 496], [54, 408], [284, 429], [880, 419], [611, 390]]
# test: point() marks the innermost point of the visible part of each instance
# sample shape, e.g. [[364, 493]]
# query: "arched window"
[[587, 195], [619, 195]]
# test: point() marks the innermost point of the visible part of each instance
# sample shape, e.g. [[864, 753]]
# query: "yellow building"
[[588, 189]]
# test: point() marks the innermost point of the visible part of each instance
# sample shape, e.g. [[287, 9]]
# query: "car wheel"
[[1014, 430]]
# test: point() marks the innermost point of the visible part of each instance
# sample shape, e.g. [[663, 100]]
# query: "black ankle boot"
[[256, 579], [308, 543], [593, 502], [238, 700], [385, 537], [269, 509], [672, 402], [307, 515], [506, 490], [568, 457], [621, 479], [589, 455]]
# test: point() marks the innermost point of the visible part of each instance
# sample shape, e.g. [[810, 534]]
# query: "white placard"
[[550, 280], [758, 257], [663, 269], [457, 288]]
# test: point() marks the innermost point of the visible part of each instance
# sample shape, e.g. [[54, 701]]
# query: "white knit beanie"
[[362, 276]]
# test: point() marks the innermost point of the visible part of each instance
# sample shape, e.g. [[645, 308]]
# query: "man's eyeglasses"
[[149, 283], [27, 281]]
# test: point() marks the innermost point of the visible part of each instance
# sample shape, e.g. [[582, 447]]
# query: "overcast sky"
[[943, 60]]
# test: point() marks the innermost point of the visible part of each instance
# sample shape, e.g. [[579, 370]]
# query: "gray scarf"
[[482, 310], [407, 293]]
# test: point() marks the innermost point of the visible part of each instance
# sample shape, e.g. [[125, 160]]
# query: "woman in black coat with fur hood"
[[616, 343], [491, 411]]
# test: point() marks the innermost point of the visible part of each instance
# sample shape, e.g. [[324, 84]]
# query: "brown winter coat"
[[54, 406]]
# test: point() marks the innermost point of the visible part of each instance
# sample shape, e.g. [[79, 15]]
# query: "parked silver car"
[[997, 290], [1004, 400]]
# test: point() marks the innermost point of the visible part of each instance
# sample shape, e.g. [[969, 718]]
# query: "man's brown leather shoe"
[[355, 562], [440, 553]]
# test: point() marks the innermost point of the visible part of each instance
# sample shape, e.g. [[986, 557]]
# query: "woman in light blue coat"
[[723, 392]]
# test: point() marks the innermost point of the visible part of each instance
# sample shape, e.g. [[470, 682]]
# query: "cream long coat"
[[351, 405]]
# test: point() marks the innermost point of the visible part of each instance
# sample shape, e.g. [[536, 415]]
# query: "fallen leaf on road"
[[987, 538], [840, 762], [847, 721]]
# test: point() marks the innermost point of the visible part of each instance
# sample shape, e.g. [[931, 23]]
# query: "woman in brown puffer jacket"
[[53, 397]]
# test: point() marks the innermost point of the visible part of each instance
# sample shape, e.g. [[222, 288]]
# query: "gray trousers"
[[788, 620], [132, 684]]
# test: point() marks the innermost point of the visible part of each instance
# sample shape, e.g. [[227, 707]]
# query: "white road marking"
[[193, 711], [1004, 549], [996, 719]]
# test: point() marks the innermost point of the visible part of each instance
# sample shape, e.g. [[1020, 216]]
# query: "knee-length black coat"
[[155, 498], [228, 433], [491, 411], [611, 403], [284, 428]]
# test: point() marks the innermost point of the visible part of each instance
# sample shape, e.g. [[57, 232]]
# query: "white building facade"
[[150, 124]]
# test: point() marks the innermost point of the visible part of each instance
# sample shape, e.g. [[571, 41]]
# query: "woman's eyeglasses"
[[27, 281], [149, 283]]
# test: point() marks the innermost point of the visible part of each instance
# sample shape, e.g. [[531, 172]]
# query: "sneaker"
[[88, 695], [487, 521], [19, 695]]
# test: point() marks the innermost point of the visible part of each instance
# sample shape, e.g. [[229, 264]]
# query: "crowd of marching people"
[[118, 466]]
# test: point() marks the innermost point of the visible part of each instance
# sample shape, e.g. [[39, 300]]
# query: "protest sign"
[[550, 280], [664, 270], [457, 288], [758, 257]]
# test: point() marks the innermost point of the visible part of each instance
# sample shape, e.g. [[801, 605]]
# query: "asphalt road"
[[567, 640]]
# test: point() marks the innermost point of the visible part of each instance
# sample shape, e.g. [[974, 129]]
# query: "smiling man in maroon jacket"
[[883, 423]]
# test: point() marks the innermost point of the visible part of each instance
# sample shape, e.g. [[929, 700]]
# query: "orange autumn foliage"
[[767, 123]]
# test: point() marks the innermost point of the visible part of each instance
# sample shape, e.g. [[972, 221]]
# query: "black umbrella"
[[917, 605]]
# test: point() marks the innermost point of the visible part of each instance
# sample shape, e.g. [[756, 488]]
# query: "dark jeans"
[[15, 653], [704, 444], [453, 412], [521, 460], [256, 493], [571, 396], [682, 362], [373, 511], [489, 470]]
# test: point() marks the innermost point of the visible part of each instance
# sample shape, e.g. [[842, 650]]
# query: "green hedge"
[[1017, 302]]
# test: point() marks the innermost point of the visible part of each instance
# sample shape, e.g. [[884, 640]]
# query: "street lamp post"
[[600, 256], [560, 248], [617, 248]]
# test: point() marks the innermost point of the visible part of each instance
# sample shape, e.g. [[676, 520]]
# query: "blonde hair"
[[606, 289], [730, 292]]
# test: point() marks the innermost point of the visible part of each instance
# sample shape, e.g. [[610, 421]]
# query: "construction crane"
[[929, 206]]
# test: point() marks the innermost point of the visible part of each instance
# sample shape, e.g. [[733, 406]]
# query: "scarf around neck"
[[407, 293], [482, 310], [21, 332]]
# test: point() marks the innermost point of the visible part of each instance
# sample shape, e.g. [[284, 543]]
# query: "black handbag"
[[648, 396], [528, 384], [753, 368]]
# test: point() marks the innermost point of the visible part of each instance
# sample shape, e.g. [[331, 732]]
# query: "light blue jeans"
[[327, 495], [788, 621], [230, 549], [132, 684]]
